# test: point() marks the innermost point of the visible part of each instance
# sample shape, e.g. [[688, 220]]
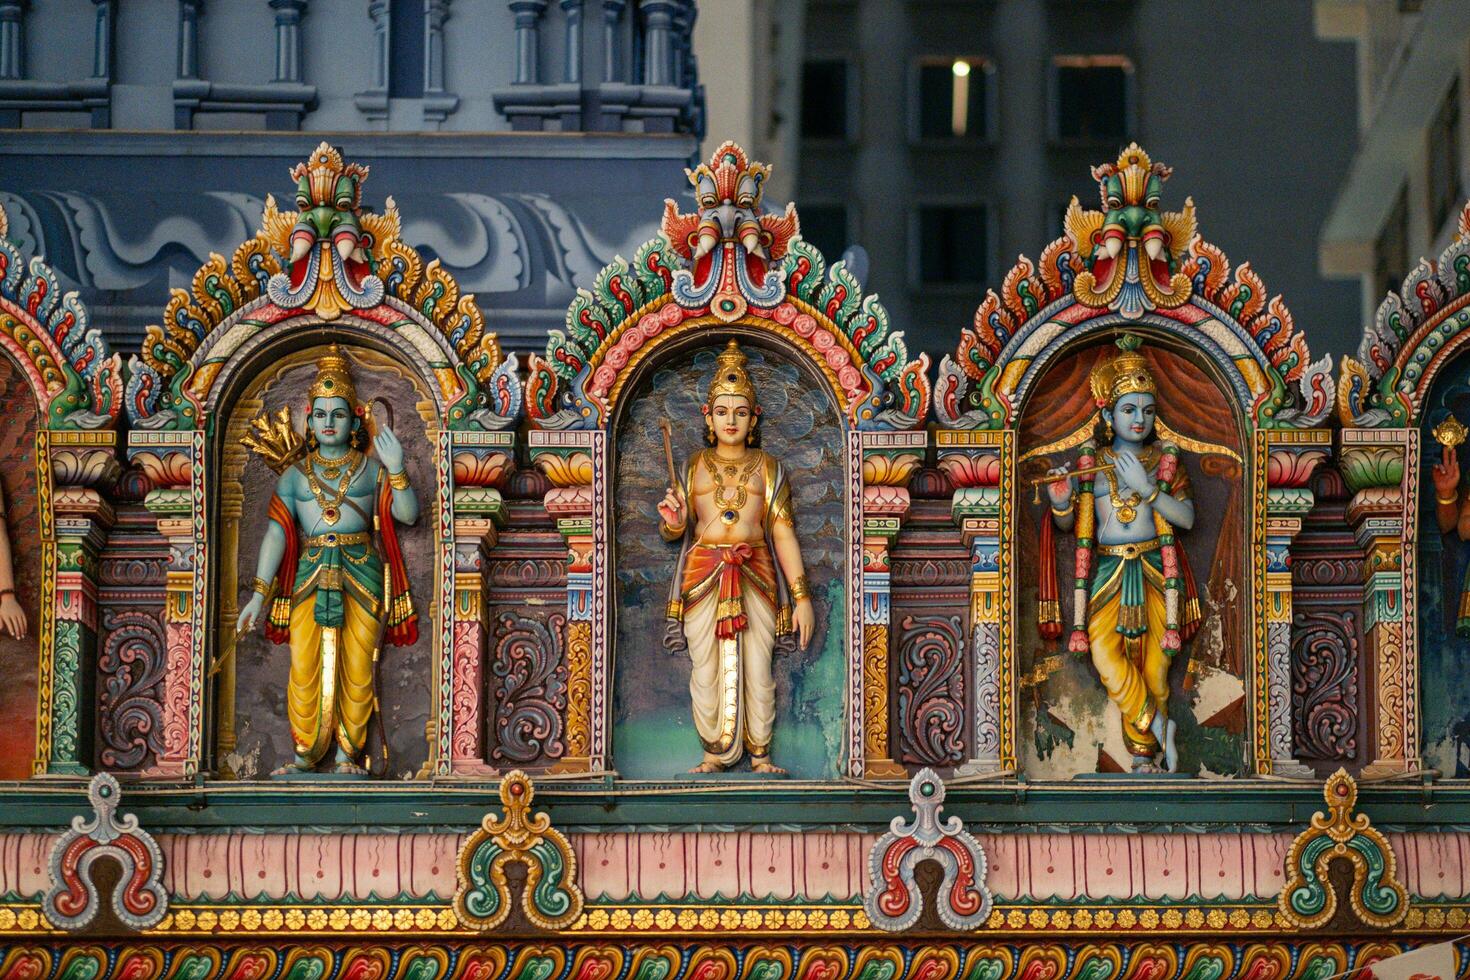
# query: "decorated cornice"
[[1415, 332], [329, 261], [77, 381], [1132, 264], [730, 263]]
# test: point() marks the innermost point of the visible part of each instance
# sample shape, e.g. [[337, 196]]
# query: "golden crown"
[[731, 378], [1125, 373], [333, 377]]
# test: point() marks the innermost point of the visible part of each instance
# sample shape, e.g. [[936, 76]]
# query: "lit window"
[[825, 226], [1092, 98], [953, 98], [1444, 160], [824, 99], [954, 241]]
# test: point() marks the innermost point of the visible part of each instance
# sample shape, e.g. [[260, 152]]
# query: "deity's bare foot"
[[708, 766], [346, 767], [1145, 764], [763, 764], [1171, 753], [299, 765]]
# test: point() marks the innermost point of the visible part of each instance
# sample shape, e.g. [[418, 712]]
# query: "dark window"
[[1093, 102], [953, 98], [824, 99], [953, 244], [825, 226], [406, 49], [1391, 251], [1444, 160]]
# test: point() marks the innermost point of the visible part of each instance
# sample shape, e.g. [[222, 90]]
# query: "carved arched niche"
[[1020, 375], [653, 733], [706, 279], [246, 338], [1075, 727]]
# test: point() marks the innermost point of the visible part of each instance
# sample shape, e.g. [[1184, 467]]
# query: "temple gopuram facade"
[[715, 632]]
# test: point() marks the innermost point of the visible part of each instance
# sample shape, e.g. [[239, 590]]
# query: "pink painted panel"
[[1106, 872], [832, 865], [660, 868], [1270, 864], [23, 859], [716, 863], [1002, 859], [1432, 865], [1165, 874], [773, 865]]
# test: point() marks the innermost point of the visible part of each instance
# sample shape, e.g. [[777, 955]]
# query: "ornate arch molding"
[[333, 271], [1133, 264], [1382, 397], [77, 385], [707, 273]]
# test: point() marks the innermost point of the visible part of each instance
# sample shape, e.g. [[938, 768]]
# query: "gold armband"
[[261, 586], [1153, 496], [800, 589], [1446, 503], [1063, 513], [398, 481]]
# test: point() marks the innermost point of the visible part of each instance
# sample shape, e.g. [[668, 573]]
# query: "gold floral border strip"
[[1229, 918]]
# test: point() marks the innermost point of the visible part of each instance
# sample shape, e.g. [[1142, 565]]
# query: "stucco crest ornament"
[[1309, 900], [1132, 262], [552, 899], [727, 261], [328, 260], [893, 900], [76, 379], [138, 899], [1416, 330]]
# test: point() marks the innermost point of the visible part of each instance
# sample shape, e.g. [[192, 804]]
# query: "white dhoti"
[[730, 628]]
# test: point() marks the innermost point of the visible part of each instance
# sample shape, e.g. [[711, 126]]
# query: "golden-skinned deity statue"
[[331, 569], [1133, 603], [739, 589]]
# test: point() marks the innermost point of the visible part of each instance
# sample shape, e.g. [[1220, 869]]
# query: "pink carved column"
[[482, 462]]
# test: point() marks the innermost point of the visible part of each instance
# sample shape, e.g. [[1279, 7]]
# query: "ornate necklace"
[[332, 507], [730, 509], [1125, 508], [330, 469]]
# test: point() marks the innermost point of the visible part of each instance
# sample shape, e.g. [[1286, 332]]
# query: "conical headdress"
[[333, 377], [1125, 373], [731, 378]]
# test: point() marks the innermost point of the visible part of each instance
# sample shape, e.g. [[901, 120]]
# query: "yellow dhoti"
[[1134, 668], [331, 689]]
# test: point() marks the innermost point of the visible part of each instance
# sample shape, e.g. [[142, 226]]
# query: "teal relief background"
[[653, 733]]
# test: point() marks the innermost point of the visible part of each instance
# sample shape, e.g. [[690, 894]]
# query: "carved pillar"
[[438, 103], [1381, 467], [75, 519], [1293, 455], [12, 39], [972, 461], [573, 463], [572, 9], [189, 14], [658, 41], [482, 463], [372, 101], [889, 459], [528, 16], [173, 464], [288, 38], [612, 49]]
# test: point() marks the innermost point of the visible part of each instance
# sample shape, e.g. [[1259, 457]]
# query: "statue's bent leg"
[[1121, 676], [359, 635], [309, 706], [757, 644], [714, 683]]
